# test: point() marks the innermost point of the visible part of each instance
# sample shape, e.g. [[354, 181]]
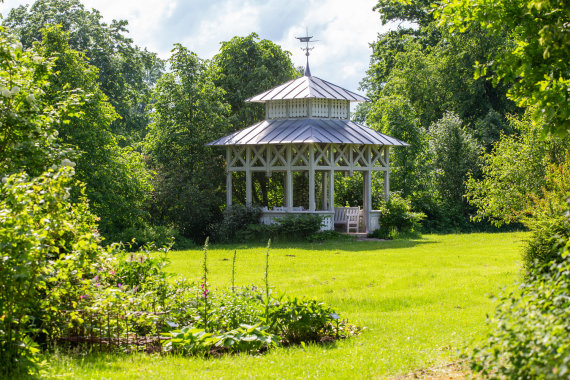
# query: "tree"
[[455, 153], [536, 64], [126, 72], [247, 66], [28, 134], [244, 67], [188, 112], [515, 172], [117, 183], [395, 116]]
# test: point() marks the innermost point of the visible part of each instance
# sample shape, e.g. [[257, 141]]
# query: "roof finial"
[[307, 49]]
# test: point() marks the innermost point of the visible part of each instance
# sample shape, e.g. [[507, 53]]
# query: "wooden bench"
[[349, 216]]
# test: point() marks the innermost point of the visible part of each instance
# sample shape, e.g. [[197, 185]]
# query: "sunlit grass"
[[420, 301]]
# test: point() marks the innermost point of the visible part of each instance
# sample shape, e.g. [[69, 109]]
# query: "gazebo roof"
[[307, 87], [307, 130]]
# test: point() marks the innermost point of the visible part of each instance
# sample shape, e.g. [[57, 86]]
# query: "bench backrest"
[[343, 214]]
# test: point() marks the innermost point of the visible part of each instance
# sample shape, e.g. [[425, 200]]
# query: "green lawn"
[[420, 301]]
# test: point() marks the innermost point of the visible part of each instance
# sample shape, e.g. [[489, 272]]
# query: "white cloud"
[[343, 28]]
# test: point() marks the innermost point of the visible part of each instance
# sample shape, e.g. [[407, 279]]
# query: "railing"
[[272, 216]]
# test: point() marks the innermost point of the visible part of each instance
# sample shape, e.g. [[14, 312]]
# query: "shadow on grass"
[[343, 244]]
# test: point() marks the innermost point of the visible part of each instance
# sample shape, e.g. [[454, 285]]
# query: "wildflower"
[[119, 285], [82, 297], [135, 289], [96, 278]]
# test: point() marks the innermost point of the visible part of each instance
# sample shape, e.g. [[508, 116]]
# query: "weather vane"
[[307, 49]]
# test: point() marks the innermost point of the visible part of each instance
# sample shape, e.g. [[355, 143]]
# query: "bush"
[[544, 245], [530, 330], [300, 320], [48, 247], [397, 219], [241, 224], [161, 236], [236, 219]]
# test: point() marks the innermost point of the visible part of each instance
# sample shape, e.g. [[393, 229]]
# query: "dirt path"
[[451, 371]]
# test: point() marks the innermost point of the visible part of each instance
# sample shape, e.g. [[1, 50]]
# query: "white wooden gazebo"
[[308, 129]]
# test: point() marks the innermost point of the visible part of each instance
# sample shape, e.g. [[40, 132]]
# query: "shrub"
[[300, 320], [397, 219], [236, 219], [530, 329], [48, 246], [161, 236], [544, 245], [290, 227]]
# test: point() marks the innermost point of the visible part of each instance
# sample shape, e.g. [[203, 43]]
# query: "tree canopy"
[[536, 64], [126, 72]]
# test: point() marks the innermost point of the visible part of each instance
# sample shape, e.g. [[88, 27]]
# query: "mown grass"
[[421, 301]]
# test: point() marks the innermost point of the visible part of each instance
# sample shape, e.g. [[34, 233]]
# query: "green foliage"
[[300, 320], [514, 172], [536, 64], [127, 72], [28, 138], [397, 219], [288, 228], [455, 153], [236, 219], [550, 227], [544, 245], [242, 224], [395, 116], [529, 336], [247, 66], [135, 238], [117, 182], [47, 245], [188, 112], [245, 338]]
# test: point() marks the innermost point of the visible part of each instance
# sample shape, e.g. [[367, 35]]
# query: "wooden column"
[[331, 179], [228, 178], [387, 174], [248, 197], [289, 180], [367, 198], [312, 203], [325, 177]]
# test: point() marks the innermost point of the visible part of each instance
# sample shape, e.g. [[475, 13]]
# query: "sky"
[[343, 29]]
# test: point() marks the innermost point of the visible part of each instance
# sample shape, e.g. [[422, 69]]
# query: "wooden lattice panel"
[[298, 108], [339, 157], [277, 109], [320, 108], [339, 109]]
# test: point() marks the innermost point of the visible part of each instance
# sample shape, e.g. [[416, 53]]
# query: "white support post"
[[331, 180], [367, 198], [312, 203], [387, 174], [248, 196], [289, 180], [325, 177], [350, 159], [228, 178]]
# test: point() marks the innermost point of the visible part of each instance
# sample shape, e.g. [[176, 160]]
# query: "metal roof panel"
[[307, 87], [288, 131]]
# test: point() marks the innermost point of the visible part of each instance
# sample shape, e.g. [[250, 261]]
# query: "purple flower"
[[119, 285], [135, 289], [96, 278], [82, 297]]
